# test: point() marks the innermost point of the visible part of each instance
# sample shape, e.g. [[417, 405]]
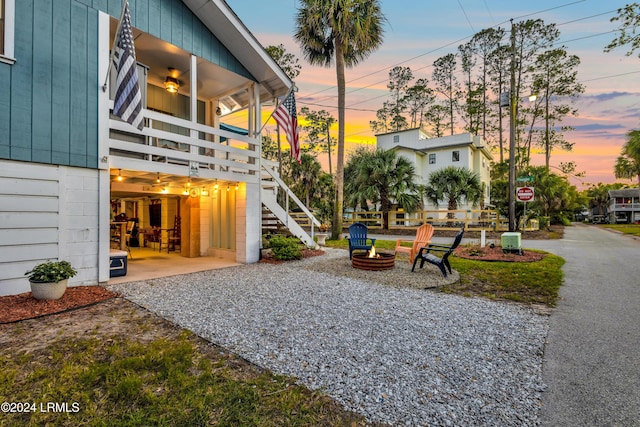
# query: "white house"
[[624, 205], [430, 154]]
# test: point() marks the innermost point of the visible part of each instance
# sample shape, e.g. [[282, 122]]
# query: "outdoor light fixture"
[[120, 175], [215, 187], [171, 84], [236, 186], [227, 187], [189, 183]]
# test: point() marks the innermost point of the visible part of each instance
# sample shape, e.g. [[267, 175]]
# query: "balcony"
[[625, 207], [183, 148]]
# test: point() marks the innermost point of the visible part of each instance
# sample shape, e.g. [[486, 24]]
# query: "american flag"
[[128, 100], [287, 119]]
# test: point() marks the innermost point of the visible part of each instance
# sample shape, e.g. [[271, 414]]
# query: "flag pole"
[[113, 48], [292, 89]]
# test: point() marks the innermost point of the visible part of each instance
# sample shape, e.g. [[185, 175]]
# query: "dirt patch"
[[496, 254], [14, 308]]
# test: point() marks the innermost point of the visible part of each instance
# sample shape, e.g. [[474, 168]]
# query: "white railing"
[[471, 220], [624, 207], [271, 182], [173, 141]]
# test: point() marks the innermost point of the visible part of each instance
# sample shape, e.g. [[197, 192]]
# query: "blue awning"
[[234, 129]]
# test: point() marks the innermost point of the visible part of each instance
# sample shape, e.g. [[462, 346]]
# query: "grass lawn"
[[131, 368], [531, 283], [526, 282], [633, 229]]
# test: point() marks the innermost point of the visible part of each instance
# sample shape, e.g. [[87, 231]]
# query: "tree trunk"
[[385, 207], [336, 230], [547, 142], [329, 149], [453, 205]]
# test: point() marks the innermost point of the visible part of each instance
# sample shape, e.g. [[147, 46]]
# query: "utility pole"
[[513, 104]]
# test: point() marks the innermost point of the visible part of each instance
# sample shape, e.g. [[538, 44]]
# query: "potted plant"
[[49, 279], [322, 234]]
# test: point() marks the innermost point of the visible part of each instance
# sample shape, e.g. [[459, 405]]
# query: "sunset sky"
[[418, 32]]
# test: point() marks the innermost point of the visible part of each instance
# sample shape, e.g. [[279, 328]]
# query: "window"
[[432, 158], [7, 13], [455, 156], [396, 138]]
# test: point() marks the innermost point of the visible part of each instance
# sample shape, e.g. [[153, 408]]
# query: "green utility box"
[[511, 242]]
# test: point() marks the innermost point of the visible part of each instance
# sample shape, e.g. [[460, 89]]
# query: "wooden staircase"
[[276, 218]]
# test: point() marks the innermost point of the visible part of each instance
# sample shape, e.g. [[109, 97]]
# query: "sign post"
[[525, 194]]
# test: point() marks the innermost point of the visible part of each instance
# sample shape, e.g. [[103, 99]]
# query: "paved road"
[[592, 355]]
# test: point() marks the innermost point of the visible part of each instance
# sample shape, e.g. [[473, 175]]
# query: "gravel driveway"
[[397, 354]]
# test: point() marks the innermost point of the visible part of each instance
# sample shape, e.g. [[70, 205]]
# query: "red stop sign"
[[524, 194]]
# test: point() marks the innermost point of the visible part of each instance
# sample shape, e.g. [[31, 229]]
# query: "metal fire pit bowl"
[[381, 261]]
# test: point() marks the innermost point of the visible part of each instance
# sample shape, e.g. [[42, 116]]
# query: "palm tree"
[[304, 176], [383, 177], [599, 197], [628, 164], [346, 31], [452, 184]]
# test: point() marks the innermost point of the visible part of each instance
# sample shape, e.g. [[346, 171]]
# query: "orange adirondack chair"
[[423, 237]]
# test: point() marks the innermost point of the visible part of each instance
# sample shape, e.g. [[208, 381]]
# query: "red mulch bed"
[[14, 308], [495, 254]]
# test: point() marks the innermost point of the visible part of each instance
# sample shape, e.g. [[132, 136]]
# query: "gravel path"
[[398, 355]]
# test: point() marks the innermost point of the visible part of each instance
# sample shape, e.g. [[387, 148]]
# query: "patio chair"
[[423, 237], [425, 254], [358, 239]]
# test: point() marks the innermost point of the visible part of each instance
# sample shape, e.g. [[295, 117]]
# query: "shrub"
[[285, 248], [51, 272], [544, 222]]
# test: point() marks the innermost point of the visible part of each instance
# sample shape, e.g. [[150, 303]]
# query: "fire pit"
[[373, 261]]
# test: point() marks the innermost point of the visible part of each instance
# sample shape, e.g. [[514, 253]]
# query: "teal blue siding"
[[49, 111], [187, 29], [197, 40], [164, 32], [176, 24], [101, 5], [42, 54], [61, 80], [21, 84], [142, 15], [78, 101], [155, 7], [5, 112], [92, 90]]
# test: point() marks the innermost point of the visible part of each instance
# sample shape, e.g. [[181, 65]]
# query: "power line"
[[611, 76], [464, 12], [444, 46], [455, 42]]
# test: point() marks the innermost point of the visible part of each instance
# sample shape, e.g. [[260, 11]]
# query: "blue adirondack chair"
[[358, 239], [442, 262]]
